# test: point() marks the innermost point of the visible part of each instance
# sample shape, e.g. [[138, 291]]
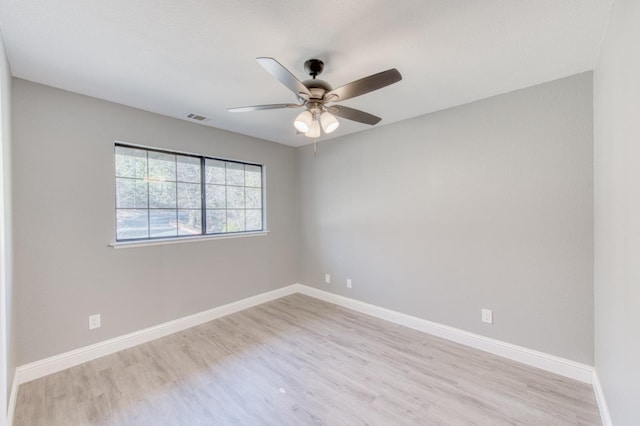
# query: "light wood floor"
[[300, 361]]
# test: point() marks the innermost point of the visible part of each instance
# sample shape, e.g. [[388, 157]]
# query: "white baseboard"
[[13, 397], [561, 366], [602, 402], [564, 367], [552, 363], [26, 373]]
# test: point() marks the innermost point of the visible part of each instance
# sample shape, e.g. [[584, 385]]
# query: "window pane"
[[163, 223], [162, 194], [215, 171], [159, 194], [189, 222], [235, 197], [216, 221], [131, 162], [188, 169], [131, 193], [253, 198], [235, 174], [189, 196], [253, 175], [254, 220], [235, 220], [131, 224], [216, 197], [162, 166]]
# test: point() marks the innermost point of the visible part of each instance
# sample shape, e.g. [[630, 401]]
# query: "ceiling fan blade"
[[285, 77], [365, 85], [354, 114], [263, 107]]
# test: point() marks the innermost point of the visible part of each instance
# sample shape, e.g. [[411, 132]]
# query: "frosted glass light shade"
[[314, 131], [329, 122], [303, 121]]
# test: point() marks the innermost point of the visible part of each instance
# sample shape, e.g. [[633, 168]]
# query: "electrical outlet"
[[94, 322], [348, 283], [487, 316], [327, 279]]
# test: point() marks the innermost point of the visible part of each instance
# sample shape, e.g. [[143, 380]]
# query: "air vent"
[[196, 117]]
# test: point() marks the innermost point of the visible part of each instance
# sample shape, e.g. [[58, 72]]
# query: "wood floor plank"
[[301, 361]]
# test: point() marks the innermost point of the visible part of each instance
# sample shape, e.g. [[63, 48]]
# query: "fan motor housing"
[[317, 84]]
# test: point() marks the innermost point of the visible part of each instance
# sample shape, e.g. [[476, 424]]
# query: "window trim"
[[184, 239], [139, 242]]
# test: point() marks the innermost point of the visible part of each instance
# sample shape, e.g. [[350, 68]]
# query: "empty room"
[[281, 212]]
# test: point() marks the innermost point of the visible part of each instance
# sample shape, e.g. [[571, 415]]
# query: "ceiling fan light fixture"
[[314, 131], [303, 122], [314, 94], [329, 122]]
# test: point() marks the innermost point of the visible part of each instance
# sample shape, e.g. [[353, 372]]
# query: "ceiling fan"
[[314, 95]]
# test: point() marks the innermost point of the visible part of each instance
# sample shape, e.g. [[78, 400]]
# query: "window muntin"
[[162, 194]]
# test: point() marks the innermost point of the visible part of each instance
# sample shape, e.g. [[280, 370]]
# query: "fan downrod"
[[313, 67]]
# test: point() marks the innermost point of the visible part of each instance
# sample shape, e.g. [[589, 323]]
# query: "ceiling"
[[176, 57]]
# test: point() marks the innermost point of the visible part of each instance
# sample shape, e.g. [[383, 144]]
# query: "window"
[[162, 194]]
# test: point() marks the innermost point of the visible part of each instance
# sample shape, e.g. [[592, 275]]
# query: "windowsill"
[[162, 241]]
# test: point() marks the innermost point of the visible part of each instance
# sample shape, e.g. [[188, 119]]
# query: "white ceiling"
[[176, 57]]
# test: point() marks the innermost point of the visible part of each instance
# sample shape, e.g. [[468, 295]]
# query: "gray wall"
[[8, 342], [617, 213], [485, 205], [63, 177]]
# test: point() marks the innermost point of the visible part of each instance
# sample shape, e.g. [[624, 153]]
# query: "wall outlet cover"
[[487, 316], [94, 322]]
